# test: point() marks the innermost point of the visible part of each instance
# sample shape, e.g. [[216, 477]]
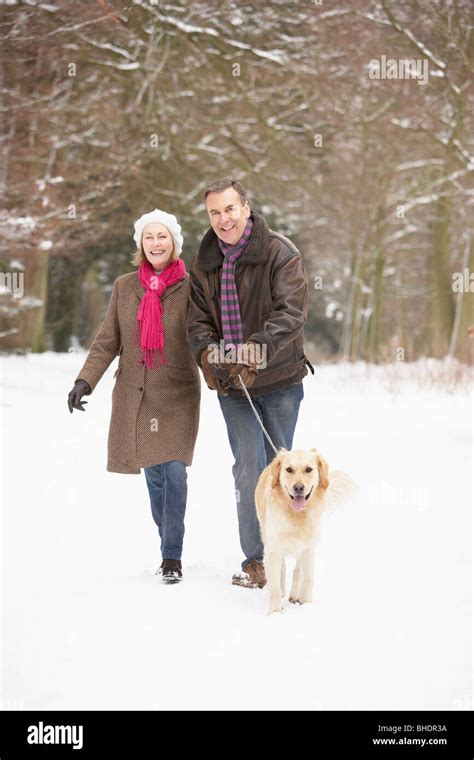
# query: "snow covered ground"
[[86, 625]]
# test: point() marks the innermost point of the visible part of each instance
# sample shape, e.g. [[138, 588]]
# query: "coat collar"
[[140, 290], [210, 256]]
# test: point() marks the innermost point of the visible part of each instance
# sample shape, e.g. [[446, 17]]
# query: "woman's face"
[[157, 244]]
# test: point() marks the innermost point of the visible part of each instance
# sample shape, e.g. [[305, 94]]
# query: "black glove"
[[74, 399]]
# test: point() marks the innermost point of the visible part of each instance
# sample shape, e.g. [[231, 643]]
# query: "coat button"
[[140, 389]]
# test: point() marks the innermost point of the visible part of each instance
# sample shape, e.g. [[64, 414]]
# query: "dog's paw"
[[294, 600], [276, 607]]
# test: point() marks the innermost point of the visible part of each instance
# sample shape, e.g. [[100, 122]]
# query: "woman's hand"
[[74, 400]]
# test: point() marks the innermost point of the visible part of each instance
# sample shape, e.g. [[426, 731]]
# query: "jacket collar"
[[140, 290], [210, 256]]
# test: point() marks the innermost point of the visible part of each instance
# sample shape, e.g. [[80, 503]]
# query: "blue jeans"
[[252, 452], [168, 488]]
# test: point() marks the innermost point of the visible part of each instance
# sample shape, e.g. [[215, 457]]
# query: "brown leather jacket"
[[273, 297]]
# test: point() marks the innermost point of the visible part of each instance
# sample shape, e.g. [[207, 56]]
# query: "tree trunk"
[[462, 335], [32, 307], [442, 317]]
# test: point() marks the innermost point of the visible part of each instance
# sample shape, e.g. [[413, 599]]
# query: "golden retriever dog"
[[291, 495]]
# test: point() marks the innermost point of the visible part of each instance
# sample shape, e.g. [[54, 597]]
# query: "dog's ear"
[[275, 468], [323, 470]]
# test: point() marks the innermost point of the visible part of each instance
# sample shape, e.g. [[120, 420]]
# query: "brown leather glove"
[[246, 368], [213, 375], [247, 372]]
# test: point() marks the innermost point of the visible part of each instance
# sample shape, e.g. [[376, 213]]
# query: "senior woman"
[[155, 400]]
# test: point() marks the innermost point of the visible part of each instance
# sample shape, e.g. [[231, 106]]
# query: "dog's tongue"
[[298, 503]]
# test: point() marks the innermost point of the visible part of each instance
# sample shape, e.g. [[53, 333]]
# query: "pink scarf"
[[149, 327]]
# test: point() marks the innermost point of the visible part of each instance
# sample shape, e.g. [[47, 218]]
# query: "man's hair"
[[222, 184]]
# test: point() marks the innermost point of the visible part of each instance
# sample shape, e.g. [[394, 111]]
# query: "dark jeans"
[[168, 488], [252, 452]]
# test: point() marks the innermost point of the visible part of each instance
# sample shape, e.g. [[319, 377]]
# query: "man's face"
[[227, 214]]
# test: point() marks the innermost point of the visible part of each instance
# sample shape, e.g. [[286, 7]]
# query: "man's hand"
[[213, 374], [246, 372], [246, 367], [74, 400]]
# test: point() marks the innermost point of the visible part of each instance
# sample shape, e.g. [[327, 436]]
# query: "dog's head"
[[301, 474]]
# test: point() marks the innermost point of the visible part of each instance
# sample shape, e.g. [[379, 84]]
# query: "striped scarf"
[[230, 309]]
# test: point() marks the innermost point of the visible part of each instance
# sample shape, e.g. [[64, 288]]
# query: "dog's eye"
[[289, 469], [308, 469]]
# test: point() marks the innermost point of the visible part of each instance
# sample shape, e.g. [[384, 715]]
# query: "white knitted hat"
[[168, 220]]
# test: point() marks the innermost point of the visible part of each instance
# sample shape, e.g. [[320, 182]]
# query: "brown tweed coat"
[[155, 412]]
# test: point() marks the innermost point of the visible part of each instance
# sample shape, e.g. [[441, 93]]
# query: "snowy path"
[[86, 625]]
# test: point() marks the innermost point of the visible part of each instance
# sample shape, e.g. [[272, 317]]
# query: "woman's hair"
[[139, 255]]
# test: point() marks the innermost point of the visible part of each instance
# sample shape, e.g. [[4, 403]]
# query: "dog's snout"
[[298, 488]]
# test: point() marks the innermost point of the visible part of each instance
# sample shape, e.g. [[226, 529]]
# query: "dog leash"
[[257, 415]]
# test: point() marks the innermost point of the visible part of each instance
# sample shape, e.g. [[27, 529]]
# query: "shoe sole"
[[246, 584], [171, 581]]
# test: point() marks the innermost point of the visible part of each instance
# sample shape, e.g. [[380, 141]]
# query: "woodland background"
[[110, 109]]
